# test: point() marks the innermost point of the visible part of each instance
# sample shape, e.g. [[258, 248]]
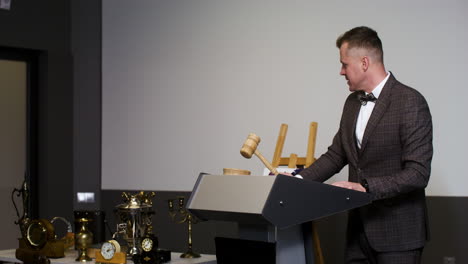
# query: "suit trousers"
[[359, 251]]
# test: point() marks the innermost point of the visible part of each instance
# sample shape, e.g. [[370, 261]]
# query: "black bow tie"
[[366, 98]]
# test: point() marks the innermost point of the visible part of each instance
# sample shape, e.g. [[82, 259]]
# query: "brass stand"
[[83, 241], [186, 217]]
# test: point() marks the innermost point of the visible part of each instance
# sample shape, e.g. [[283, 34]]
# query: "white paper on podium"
[[266, 171]]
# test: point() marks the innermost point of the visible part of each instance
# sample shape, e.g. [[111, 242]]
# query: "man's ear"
[[365, 63]]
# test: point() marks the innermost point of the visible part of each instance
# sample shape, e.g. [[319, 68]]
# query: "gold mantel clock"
[[39, 240], [110, 253]]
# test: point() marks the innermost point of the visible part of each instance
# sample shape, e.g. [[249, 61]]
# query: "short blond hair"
[[364, 38]]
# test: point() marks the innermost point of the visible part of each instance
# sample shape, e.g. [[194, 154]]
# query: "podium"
[[272, 208]]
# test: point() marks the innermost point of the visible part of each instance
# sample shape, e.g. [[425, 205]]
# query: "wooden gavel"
[[250, 147]]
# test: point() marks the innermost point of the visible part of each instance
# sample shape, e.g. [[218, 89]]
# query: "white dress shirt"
[[366, 111], [364, 114]]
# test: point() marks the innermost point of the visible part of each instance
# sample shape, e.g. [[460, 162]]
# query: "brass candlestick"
[[181, 215], [83, 240]]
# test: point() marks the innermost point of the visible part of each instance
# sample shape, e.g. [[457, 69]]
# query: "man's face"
[[351, 67]]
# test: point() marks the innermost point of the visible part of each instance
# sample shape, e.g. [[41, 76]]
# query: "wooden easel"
[[293, 161]]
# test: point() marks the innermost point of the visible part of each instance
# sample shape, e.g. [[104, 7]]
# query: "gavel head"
[[250, 145]]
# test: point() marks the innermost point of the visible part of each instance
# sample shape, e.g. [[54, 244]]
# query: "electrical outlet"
[[449, 260], [85, 197]]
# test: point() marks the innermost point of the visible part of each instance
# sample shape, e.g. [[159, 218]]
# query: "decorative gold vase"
[[83, 240]]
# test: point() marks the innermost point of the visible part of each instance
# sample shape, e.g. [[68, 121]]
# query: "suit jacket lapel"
[[379, 109]]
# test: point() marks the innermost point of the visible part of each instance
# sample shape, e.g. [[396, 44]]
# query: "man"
[[385, 136]]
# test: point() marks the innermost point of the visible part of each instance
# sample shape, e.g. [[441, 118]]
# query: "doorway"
[[17, 119]]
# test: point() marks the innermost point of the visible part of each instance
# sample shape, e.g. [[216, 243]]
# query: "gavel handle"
[[265, 161]]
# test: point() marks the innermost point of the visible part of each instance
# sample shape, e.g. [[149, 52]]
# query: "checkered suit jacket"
[[395, 159]]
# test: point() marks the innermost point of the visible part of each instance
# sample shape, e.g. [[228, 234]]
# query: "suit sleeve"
[[416, 140], [329, 163]]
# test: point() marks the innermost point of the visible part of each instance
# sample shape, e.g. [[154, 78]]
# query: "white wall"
[[184, 82]]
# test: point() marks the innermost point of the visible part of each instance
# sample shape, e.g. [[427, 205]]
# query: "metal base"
[[83, 256], [293, 245], [190, 254]]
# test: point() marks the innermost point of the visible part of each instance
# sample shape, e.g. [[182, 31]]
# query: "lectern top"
[[232, 193], [278, 200]]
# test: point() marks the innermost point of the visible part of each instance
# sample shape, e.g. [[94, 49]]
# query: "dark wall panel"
[[86, 48], [43, 27]]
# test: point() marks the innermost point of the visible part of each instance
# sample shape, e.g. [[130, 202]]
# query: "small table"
[[8, 256]]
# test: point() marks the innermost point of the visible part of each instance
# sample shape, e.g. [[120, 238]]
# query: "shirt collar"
[[378, 89]]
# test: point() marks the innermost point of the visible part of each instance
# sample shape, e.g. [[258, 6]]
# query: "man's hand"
[[350, 185]]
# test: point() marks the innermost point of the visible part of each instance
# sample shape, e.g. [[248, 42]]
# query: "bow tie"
[[366, 98]]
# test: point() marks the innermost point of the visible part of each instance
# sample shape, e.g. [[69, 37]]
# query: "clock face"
[[37, 234], [108, 250], [147, 244]]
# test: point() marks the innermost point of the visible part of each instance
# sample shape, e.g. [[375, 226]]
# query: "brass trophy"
[[135, 215], [83, 240], [183, 216]]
